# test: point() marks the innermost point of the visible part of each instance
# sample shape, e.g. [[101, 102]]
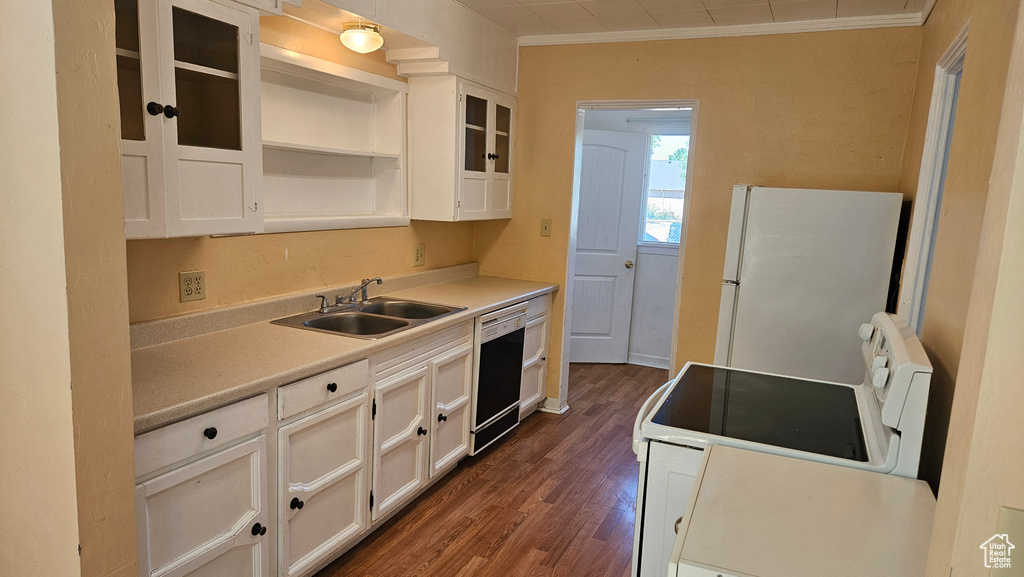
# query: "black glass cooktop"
[[784, 412]]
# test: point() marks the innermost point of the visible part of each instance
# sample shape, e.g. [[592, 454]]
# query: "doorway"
[[631, 184]]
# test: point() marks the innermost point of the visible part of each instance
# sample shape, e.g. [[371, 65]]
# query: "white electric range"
[[876, 425]]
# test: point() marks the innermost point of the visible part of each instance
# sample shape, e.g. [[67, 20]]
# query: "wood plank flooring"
[[555, 497]]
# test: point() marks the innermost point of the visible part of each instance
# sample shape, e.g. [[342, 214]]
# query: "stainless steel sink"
[[404, 309], [373, 319], [355, 324]]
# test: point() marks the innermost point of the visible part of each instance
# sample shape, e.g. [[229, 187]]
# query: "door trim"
[[570, 270]]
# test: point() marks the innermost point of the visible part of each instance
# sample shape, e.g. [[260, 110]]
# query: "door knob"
[[421, 431], [441, 418], [296, 503], [258, 529], [155, 108], [629, 264], [171, 111]]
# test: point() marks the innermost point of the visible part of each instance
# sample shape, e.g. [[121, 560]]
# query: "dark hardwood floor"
[[555, 497]]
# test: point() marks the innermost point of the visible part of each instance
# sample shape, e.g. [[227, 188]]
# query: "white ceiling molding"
[[856, 23]]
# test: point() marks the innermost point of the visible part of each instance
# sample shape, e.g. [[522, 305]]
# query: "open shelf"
[[324, 126], [326, 150]]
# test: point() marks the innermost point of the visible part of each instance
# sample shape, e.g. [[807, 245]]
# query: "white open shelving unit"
[[333, 145]]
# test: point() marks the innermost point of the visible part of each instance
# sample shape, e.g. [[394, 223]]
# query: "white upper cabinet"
[[271, 6], [188, 78], [460, 150]]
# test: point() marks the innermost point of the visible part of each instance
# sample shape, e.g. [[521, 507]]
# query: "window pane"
[[476, 112], [129, 69], [476, 150], [666, 184], [210, 117], [204, 41]]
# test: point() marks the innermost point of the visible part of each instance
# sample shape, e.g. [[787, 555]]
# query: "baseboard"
[[553, 406], [648, 361]]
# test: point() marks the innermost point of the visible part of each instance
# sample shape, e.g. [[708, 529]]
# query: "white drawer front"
[[538, 306], [179, 441], [322, 389]]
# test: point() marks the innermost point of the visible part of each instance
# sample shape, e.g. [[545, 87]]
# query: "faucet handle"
[[324, 303]]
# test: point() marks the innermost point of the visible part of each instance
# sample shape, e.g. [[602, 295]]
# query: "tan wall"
[[241, 269], [963, 204], [964, 327], [37, 458], [821, 110], [97, 296]]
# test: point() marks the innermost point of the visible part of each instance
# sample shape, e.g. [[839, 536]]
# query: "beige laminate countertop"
[[182, 378]]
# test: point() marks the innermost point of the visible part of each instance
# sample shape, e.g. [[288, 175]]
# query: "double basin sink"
[[372, 319]]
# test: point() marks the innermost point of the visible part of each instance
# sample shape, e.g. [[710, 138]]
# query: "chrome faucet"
[[350, 297]]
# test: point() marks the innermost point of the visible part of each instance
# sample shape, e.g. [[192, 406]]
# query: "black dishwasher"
[[499, 358]]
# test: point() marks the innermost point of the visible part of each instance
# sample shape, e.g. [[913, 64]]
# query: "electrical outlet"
[[419, 254], [192, 285], [545, 227]]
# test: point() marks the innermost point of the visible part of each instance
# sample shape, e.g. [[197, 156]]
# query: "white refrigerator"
[[803, 270]]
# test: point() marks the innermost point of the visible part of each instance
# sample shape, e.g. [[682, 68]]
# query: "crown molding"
[[856, 23]]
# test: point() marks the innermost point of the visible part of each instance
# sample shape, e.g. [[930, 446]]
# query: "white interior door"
[[611, 189]]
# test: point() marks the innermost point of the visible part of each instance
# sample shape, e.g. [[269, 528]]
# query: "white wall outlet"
[[419, 254], [545, 227], [192, 285]]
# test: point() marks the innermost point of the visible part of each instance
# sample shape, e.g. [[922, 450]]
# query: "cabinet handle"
[[332, 387], [296, 503], [171, 111], [210, 433], [155, 108], [441, 418], [421, 431], [676, 526], [258, 529]]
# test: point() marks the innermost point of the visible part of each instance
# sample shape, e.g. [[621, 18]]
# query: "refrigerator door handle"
[[731, 282]]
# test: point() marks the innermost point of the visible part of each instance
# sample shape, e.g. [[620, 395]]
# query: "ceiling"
[[557, 17]]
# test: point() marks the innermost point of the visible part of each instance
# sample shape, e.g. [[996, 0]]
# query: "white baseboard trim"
[[553, 406], [648, 361]]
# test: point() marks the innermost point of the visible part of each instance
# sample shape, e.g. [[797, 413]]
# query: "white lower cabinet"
[[324, 484], [207, 518], [451, 378], [535, 356], [400, 438]]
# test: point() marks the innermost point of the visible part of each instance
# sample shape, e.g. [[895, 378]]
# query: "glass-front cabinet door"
[[486, 154], [209, 80], [138, 84], [188, 81]]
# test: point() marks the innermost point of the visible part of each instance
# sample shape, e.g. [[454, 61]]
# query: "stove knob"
[[880, 377], [878, 363], [867, 330]]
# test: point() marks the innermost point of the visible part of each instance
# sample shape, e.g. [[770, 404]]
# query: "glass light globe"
[[362, 37]]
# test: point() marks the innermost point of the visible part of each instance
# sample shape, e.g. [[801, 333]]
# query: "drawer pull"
[[332, 387], [210, 433], [258, 529], [296, 503]]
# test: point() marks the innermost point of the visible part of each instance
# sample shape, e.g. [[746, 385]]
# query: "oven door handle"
[[644, 411]]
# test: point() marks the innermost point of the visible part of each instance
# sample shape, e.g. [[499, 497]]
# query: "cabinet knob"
[[155, 108], [421, 431], [171, 111], [491, 156], [210, 432], [258, 529], [441, 418], [296, 503], [543, 358], [332, 387]]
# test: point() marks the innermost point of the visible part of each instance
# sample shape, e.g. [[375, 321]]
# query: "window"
[[665, 197]]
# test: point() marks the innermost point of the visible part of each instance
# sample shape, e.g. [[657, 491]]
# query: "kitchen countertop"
[[181, 378]]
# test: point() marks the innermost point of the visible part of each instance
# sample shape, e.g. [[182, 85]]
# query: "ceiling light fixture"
[[362, 37]]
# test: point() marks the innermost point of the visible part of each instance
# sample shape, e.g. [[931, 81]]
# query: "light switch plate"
[[192, 285], [419, 254], [545, 227]]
